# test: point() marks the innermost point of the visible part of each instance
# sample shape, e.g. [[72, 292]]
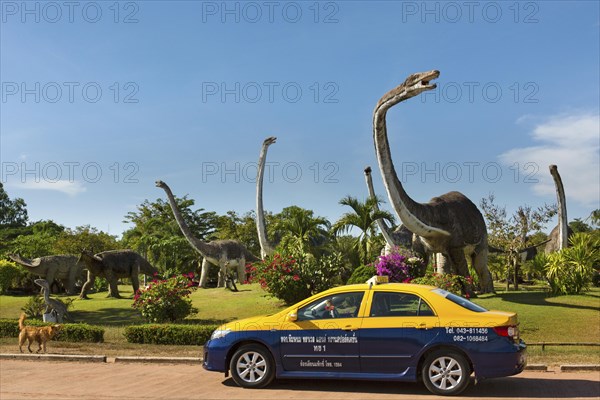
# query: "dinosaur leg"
[[241, 270], [135, 282], [480, 261], [444, 263], [50, 274], [462, 268], [90, 281], [113, 289], [222, 273], [204, 273]]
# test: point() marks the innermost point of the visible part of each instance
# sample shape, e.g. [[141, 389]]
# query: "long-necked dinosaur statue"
[[559, 236], [222, 253], [53, 306], [112, 265], [65, 268], [402, 236], [449, 224], [266, 249]]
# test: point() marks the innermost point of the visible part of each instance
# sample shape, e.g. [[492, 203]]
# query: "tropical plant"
[[301, 231], [166, 300], [364, 216], [452, 283], [362, 274], [571, 270]]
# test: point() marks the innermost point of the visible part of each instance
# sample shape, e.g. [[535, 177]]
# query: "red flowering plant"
[[294, 277], [400, 266], [166, 300]]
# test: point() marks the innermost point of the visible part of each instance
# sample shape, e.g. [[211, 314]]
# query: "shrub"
[[362, 274], [35, 306], [400, 265], [571, 270], [69, 332], [169, 334], [452, 283], [9, 274], [166, 300], [294, 277]]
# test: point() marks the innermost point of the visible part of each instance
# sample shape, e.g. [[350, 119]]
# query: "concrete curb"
[[577, 368], [536, 367], [53, 357], [159, 360]]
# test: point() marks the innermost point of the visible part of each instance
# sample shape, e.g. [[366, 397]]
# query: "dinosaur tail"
[[21, 321]]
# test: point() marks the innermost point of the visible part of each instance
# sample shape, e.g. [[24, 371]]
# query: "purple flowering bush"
[[166, 300], [400, 266]]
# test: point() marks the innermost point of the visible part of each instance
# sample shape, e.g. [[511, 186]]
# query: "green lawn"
[[543, 319]]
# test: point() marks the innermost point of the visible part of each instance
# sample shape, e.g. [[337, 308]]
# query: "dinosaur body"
[[449, 224], [223, 253], [112, 265], [64, 268]]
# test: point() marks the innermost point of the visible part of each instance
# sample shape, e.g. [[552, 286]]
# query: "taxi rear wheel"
[[252, 367], [445, 372]]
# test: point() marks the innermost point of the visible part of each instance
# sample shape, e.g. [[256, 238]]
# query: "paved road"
[[99, 381]]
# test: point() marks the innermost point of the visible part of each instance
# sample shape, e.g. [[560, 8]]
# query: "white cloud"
[[572, 142], [71, 188]]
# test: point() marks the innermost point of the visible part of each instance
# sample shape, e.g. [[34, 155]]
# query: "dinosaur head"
[[161, 184], [269, 141], [412, 86], [368, 170]]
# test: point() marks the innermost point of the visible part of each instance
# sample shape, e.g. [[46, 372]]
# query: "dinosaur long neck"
[[409, 211], [383, 227], [265, 247], [563, 227], [199, 245]]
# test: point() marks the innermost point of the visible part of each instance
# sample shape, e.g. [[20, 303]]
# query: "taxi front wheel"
[[446, 372], [252, 367]]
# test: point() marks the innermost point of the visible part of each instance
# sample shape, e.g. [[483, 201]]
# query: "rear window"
[[461, 301]]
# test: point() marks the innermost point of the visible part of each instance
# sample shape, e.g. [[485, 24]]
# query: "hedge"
[[169, 334], [69, 332]]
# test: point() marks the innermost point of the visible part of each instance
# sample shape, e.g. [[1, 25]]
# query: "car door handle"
[[422, 326], [349, 328]]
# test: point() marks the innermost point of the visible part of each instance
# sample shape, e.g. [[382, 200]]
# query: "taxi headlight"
[[219, 333]]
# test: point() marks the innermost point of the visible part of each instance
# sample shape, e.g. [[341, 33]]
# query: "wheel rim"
[[445, 373], [251, 367]]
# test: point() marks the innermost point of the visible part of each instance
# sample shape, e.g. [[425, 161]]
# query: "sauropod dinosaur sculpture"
[[53, 306], [266, 248], [449, 224], [222, 253], [65, 268], [112, 265], [559, 236]]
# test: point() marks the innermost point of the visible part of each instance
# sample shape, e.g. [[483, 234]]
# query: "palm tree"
[[364, 216], [301, 230]]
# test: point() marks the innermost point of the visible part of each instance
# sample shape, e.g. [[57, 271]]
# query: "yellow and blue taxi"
[[377, 331]]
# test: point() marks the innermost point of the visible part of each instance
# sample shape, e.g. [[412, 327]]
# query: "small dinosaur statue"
[[53, 306]]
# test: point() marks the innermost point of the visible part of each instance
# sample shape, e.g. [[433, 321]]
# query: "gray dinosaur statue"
[[266, 248], [559, 236], [112, 265], [401, 236], [65, 268], [449, 224], [223, 253], [53, 306]]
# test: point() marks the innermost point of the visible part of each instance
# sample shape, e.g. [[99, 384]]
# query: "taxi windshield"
[[461, 301]]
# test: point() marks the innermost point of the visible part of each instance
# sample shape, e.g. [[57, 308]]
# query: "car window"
[[393, 304], [340, 305], [461, 301]]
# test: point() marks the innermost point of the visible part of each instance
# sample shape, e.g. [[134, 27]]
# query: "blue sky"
[[100, 99]]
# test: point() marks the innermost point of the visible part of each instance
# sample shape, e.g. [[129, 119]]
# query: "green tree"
[[577, 225], [74, 241], [364, 216], [512, 234], [38, 240], [241, 228], [12, 212]]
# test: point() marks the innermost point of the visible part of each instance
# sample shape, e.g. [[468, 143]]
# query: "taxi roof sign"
[[376, 280]]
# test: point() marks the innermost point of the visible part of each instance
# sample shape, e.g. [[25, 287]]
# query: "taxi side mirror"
[[292, 315]]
